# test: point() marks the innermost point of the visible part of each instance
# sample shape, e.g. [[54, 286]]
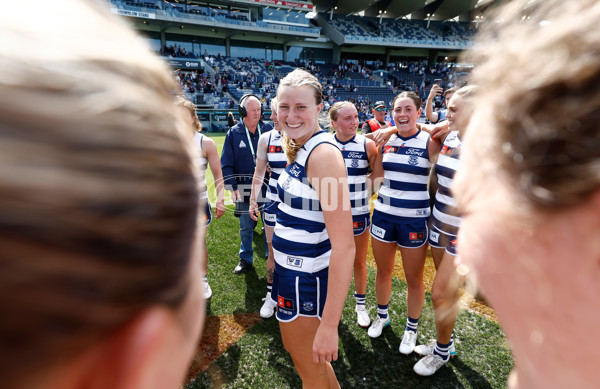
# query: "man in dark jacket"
[[238, 160]]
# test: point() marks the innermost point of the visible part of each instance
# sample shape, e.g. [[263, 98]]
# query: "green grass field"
[[259, 360]]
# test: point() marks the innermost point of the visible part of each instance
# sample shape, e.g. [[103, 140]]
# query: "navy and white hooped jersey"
[[300, 239], [277, 161], [202, 165], [406, 166], [445, 215], [355, 155]]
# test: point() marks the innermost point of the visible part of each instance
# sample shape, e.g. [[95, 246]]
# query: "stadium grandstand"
[[361, 50]]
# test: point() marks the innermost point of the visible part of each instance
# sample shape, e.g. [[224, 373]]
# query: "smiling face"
[[459, 113], [405, 115], [345, 122], [273, 118], [298, 112]]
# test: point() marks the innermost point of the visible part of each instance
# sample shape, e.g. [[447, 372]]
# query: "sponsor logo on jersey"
[[422, 212], [414, 152], [434, 236], [285, 303], [275, 149], [354, 154], [389, 149], [286, 184], [453, 242], [270, 217], [294, 261]]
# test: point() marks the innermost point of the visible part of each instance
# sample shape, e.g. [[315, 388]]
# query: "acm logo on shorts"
[[377, 231], [434, 236]]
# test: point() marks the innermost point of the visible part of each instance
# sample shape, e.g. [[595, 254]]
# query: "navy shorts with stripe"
[[298, 293], [441, 240], [360, 223], [410, 235]]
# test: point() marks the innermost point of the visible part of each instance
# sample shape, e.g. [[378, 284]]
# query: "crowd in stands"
[[177, 51], [226, 79]]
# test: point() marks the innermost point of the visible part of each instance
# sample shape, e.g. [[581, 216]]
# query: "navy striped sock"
[[411, 324], [443, 350], [382, 311], [269, 287], [360, 298]]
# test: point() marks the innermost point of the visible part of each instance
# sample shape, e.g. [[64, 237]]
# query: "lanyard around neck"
[[250, 141]]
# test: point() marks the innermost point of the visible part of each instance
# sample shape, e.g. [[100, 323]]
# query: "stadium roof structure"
[[435, 9]]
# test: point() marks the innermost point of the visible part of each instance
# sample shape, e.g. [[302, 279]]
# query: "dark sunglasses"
[[381, 109]]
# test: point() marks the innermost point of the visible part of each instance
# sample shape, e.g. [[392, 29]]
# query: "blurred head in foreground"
[[529, 187], [99, 284]]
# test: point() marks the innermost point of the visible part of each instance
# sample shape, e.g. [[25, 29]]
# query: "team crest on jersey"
[[308, 306], [413, 160], [286, 184], [354, 163], [295, 171]]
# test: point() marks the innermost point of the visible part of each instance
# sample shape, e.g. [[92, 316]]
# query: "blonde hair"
[[185, 103], [541, 100], [99, 195], [467, 94], [295, 79], [274, 104], [334, 111]]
